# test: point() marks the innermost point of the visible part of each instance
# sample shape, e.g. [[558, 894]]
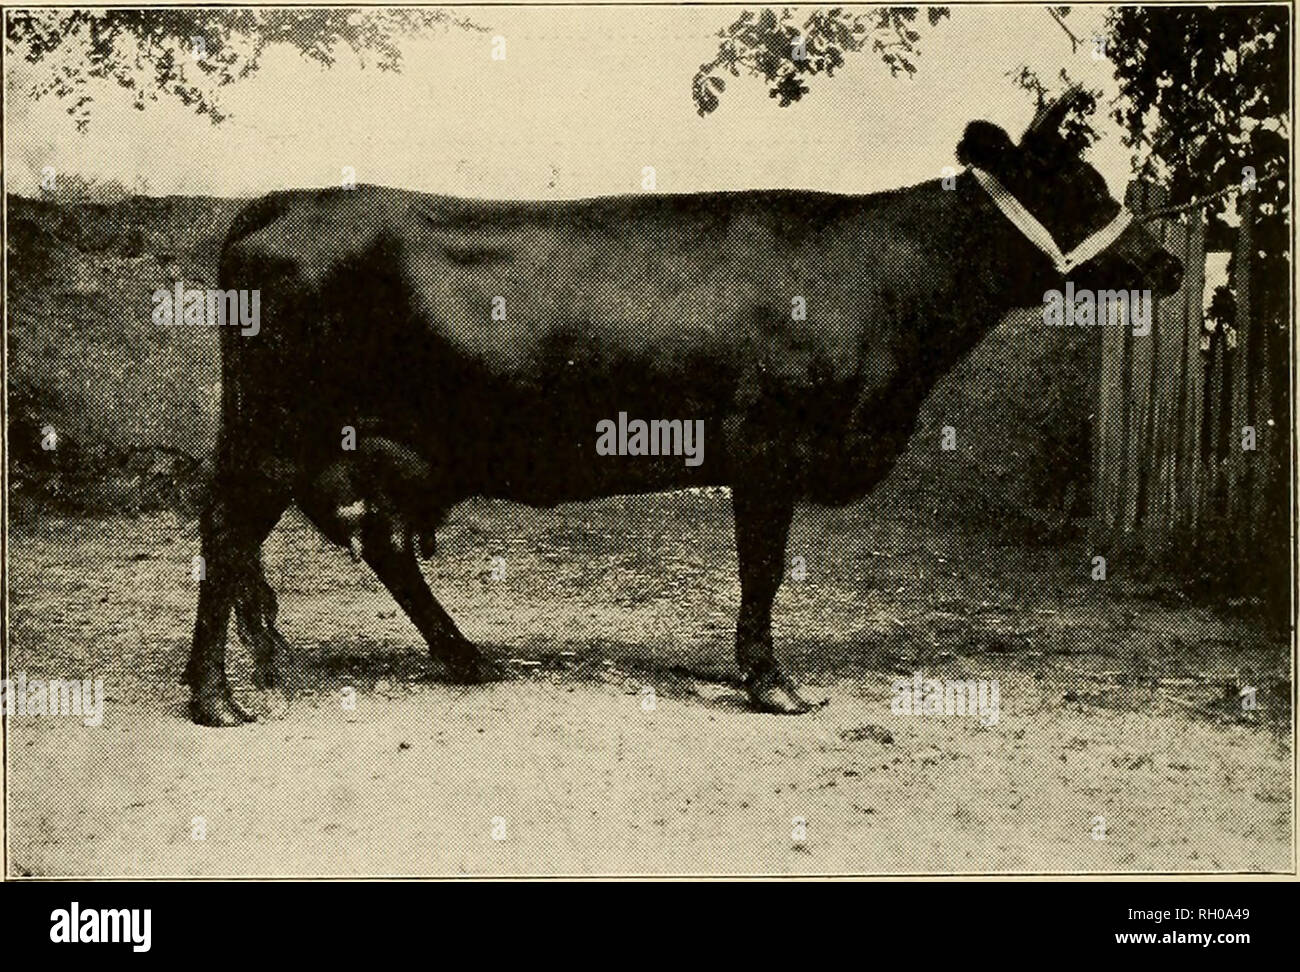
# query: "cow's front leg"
[[395, 565], [762, 527]]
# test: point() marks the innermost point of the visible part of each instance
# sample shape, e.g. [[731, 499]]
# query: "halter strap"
[[1037, 234]]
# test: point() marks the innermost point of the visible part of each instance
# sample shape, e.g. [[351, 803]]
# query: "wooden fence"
[[1169, 462]]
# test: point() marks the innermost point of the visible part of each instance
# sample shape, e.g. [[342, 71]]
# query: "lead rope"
[[1201, 201]]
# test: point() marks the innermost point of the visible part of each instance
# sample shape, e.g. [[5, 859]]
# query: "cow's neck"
[[983, 267]]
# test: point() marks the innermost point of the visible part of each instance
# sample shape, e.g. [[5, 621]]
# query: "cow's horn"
[[1051, 114]]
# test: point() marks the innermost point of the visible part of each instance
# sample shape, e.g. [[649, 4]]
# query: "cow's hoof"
[[217, 709], [465, 664], [775, 692], [469, 666]]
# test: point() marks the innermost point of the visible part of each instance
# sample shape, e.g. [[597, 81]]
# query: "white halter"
[[1036, 233]]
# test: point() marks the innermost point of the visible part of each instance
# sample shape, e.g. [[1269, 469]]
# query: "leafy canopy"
[[784, 49], [189, 55]]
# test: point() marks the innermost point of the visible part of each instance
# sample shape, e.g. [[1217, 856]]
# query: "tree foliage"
[[189, 55], [786, 48], [1204, 95]]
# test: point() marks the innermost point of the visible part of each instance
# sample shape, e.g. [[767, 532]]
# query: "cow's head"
[[1070, 199]]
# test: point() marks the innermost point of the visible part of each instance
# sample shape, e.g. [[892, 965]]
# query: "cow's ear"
[[985, 145]]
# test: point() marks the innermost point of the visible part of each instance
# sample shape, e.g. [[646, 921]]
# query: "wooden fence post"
[[1190, 478], [1238, 464], [1149, 404]]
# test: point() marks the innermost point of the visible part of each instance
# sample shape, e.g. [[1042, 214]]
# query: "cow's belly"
[[542, 459]]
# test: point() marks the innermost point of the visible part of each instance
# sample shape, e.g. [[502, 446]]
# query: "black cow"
[[482, 343]]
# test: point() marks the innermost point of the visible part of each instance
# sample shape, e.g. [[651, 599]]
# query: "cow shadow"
[[321, 667], [369, 666]]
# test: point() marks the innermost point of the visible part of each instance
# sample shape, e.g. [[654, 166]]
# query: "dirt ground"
[[1116, 703]]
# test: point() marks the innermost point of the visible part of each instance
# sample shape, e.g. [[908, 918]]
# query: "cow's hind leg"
[[255, 612], [399, 571], [232, 528], [762, 527]]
